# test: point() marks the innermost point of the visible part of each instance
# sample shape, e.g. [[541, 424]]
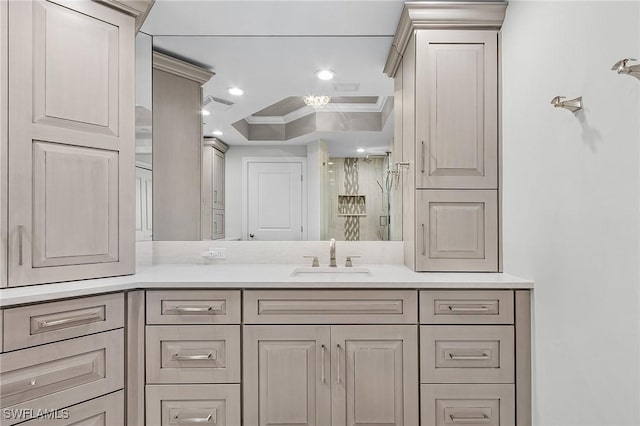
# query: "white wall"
[[233, 179], [572, 201]]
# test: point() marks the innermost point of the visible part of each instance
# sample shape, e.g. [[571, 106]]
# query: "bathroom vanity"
[[227, 347]]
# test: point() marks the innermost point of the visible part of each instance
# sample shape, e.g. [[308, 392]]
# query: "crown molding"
[[215, 143], [181, 68], [428, 15], [139, 9]]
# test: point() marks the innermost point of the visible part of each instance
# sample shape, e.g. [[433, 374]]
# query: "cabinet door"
[[71, 108], [218, 179], [457, 109], [218, 224], [374, 375], [286, 375], [457, 231], [144, 204]]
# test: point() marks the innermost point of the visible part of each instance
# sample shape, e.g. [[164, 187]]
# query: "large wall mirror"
[[299, 155]]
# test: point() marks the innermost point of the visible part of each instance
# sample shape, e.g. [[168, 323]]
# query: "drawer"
[[467, 405], [464, 354], [193, 307], [51, 322], [107, 410], [173, 405], [193, 354], [62, 374], [330, 307], [466, 307]]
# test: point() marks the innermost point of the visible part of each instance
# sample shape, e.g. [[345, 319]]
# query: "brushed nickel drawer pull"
[[204, 357], [339, 372], [468, 308], [194, 419], [422, 157], [469, 357], [424, 244], [465, 419], [70, 320], [193, 308], [20, 243], [322, 360]]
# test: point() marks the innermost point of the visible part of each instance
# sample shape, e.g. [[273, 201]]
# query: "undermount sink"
[[330, 270]]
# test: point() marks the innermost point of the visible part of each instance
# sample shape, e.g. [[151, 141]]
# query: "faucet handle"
[[348, 263], [315, 263]]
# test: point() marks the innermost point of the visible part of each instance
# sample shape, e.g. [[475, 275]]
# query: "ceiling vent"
[[346, 87], [213, 104]]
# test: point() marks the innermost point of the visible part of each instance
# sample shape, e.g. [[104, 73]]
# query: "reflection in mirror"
[[144, 176], [295, 153]]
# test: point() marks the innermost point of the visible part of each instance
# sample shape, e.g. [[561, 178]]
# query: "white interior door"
[[275, 201]]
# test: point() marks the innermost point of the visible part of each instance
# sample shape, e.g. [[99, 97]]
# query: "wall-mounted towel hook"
[[621, 68], [572, 105]]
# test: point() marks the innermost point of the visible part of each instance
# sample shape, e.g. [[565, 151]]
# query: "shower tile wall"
[[369, 173]]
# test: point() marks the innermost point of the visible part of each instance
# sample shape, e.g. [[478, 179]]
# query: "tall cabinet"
[[70, 144], [213, 188], [445, 59], [177, 148]]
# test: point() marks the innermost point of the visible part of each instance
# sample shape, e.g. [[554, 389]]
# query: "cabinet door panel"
[[374, 378], [218, 179], [457, 109], [286, 375], [457, 231], [71, 142]]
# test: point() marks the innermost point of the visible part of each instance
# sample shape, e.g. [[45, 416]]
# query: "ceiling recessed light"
[[360, 150], [205, 112], [236, 91], [217, 133], [325, 75], [330, 163]]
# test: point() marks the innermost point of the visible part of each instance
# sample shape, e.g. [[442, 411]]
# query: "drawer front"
[[104, 411], [467, 405], [466, 307], [175, 405], [193, 354], [50, 322], [462, 354], [193, 307], [62, 374], [330, 307]]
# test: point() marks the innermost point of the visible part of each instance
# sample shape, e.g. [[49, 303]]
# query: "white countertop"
[[264, 276]]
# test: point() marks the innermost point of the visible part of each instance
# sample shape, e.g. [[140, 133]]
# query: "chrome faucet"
[[332, 253]]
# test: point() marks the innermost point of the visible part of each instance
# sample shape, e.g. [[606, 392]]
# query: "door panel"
[[457, 231], [374, 375], [75, 196], [71, 106], [144, 204], [286, 375], [457, 115], [218, 179], [77, 97], [275, 201]]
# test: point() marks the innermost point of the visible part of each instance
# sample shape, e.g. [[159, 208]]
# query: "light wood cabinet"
[[71, 108], [457, 109], [373, 374], [457, 230], [445, 58], [338, 375], [218, 179], [287, 375], [177, 148], [144, 204], [181, 405]]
